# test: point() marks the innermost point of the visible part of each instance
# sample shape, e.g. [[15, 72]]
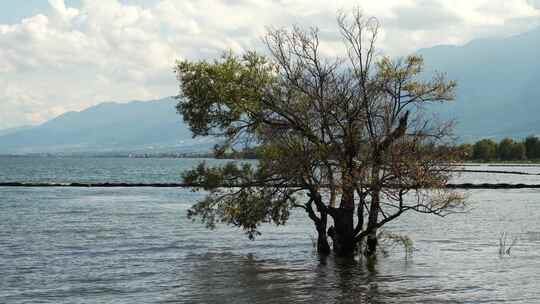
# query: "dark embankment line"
[[181, 185], [97, 185], [494, 172], [516, 165], [493, 186]]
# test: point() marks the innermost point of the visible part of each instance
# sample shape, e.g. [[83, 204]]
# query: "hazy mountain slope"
[[107, 127], [498, 79], [13, 130]]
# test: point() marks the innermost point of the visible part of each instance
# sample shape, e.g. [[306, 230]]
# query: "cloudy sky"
[[65, 55]]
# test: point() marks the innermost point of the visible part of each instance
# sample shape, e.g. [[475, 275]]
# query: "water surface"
[[135, 245]]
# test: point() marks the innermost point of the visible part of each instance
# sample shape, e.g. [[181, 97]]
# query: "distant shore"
[[236, 156], [184, 185], [120, 155]]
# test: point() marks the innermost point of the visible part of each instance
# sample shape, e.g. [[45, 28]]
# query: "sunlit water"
[[135, 245]]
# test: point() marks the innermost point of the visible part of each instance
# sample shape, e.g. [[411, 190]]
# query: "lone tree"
[[345, 139]]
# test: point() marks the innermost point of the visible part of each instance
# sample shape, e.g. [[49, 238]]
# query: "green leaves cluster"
[[214, 96], [237, 197], [505, 150], [210, 178]]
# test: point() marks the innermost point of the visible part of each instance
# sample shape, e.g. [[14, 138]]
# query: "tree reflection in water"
[[230, 278]]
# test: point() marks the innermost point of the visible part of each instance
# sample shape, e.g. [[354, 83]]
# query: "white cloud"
[[65, 13], [70, 58]]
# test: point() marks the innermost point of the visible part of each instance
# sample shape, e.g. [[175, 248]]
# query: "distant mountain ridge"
[[498, 85], [138, 126], [13, 130], [498, 96]]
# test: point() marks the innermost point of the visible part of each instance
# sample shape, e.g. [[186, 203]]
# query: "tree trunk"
[[322, 238], [342, 233], [320, 222], [322, 241], [371, 242]]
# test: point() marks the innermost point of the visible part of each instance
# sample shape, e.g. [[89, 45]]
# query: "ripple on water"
[[136, 246]]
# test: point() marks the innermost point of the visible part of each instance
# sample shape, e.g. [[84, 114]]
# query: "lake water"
[[135, 245]]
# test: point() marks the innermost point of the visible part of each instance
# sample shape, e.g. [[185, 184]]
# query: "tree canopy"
[[344, 138], [485, 149], [532, 147], [505, 150]]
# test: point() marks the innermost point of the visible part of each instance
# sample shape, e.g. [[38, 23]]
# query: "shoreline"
[[183, 185], [230, 157]]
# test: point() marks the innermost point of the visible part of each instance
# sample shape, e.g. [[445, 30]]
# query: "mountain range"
[[498, 81], [137, 126], [498, 96]]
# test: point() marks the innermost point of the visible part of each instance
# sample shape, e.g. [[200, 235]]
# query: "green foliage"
[[485, 149], [396, 71], [214, 96], [210, 178], [245, 153], [518, 151], [532, 147], [247, 205], [388, 240], [467, 151], [506, 150], [246, 208]]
